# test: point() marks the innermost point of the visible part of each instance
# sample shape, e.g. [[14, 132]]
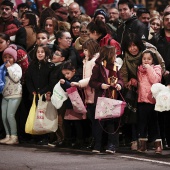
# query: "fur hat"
[[12, 51], [100, 12]]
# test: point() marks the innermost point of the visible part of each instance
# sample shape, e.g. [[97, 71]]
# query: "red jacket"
[[9, 26], [108, 40]]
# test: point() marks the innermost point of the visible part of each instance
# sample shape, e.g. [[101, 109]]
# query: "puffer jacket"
[[146, 78]]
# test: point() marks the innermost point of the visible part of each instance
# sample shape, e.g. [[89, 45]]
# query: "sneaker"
[[95, 151], [13, 140], [110, 151], [43, 142], [6, 139]]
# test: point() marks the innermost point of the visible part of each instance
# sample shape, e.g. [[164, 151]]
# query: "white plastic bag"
[[58, 96]]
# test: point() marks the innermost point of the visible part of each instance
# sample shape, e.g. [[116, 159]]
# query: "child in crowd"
[[91, 52], [12, 94], [71, 117], [149, 72], [38, 75], [106, 81], [41, 39], [59, 56]]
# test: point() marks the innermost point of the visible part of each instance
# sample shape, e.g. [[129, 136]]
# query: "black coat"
[[132, 25], [38, 77]]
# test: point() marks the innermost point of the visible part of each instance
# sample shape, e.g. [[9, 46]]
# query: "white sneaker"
[[95, 151], [6, 139], [13, 140], [110, 151]]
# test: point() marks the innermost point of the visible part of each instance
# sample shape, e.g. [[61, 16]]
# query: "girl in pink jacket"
[[149, 72]]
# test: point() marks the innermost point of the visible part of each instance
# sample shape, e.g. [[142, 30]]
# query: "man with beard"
[[162, 42], [8, 23]]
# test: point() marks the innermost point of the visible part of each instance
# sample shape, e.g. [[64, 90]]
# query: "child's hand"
[[74, 84], [48, 96], [62, 81], [34, 93], [146, 65], [105, 86], [118, 87], [7, 64]]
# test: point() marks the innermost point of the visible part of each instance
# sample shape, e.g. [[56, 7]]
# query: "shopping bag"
[[77, 103], [46, 118], [109, 108], [58, 96], [30, 120]]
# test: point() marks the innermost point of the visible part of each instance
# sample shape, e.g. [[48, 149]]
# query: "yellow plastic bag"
[[31, 117]]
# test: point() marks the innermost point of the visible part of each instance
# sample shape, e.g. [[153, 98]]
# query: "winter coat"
[[3, 71], [99, 77], [132, 25], [163, 47], [108, 40], [26, 37], [9, 26], [13, 87], [38, 77], [84, 83], [146, 78]]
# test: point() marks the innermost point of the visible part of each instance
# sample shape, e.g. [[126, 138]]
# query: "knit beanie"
[[11, 51], [100, 12]]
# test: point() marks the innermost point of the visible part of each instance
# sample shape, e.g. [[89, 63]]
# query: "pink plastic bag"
[[78, 105], [109, 108]]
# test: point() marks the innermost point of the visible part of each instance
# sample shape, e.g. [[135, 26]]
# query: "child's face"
[[147, 59], [68, 74], [42, 39], [86, 52], [57, 57], [40, 53], [8, 58]]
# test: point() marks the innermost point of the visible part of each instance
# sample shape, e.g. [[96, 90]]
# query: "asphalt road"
[[32, 157]]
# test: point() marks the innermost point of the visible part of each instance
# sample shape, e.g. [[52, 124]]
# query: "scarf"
[[132, 63], [78, 43]]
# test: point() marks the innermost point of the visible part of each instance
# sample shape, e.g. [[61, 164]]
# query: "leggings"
[[9, 107]]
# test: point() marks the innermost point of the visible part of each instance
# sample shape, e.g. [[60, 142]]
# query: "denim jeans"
[[9, 107]]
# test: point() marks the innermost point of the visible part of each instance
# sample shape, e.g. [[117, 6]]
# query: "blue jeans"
[[9, 107]]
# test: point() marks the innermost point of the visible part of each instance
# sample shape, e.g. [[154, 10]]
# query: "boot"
[[13, 140], [7, 138], [134, 146], [142, 147], [158, 146]]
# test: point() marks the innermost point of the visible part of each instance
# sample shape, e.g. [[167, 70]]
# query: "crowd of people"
[[119, 50]]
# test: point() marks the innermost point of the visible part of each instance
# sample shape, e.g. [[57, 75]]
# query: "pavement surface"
[[33, 157]]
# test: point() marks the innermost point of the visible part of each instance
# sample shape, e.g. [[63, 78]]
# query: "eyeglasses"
[[57, 54], [76, 27], [84, 32]]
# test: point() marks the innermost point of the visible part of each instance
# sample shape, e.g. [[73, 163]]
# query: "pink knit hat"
[[12, 51]]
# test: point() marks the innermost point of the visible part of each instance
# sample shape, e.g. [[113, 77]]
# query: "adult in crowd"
[[8, 23], [74, 11], [60, 10], [63, 41], [22, 8], [84, 36], [130, 22], [75, 29], [26, 35], [51, 26], [162, 42], [98, 31], [113, 14], [156, 24]]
